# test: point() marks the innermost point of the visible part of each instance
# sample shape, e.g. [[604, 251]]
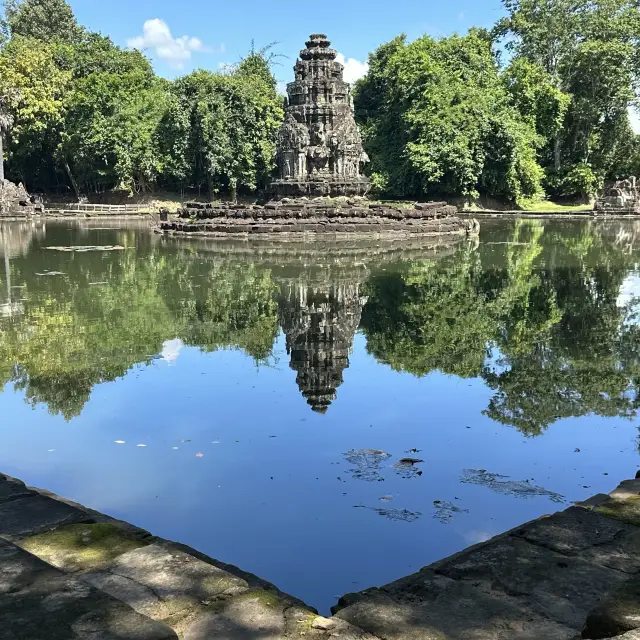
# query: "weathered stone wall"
[[15, 201], [319, 216]]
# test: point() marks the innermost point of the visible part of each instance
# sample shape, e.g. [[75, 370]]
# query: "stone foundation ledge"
[[319, 216], [303, 208]]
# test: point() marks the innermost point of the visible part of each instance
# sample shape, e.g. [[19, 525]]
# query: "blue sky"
[[182, 36]]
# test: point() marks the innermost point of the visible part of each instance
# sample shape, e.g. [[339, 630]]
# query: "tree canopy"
[[538, 105]]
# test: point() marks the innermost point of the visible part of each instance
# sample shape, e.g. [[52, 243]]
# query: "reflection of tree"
[[75, 335], [429, 316], [549, 306]]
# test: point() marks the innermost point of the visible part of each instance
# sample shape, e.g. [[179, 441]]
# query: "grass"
[[547, 206]]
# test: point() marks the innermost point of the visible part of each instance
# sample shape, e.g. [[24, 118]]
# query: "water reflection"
[[535, 312], [348, 400]]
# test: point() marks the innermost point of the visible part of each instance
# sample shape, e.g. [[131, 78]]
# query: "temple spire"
[[320, 150]]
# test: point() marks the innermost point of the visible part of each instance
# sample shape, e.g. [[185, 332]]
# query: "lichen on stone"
[[80, 547]]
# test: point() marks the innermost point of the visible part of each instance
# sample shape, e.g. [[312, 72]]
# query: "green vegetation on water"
[[451, 117]]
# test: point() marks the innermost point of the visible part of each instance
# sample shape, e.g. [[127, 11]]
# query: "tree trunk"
[[1, 161], [74, 184], [557, 152]]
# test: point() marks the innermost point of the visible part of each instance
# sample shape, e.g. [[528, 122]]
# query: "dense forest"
[[539, 105]]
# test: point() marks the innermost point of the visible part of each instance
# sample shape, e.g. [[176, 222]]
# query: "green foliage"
[[437, 120], [573, 181], [589, 51], [95, 117], [44, 20], [220, 130], [112, 116]]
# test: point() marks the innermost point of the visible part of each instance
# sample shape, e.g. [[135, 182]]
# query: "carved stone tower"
[[319, 145]]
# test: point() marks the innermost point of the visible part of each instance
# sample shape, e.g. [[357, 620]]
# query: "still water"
[[277, 387]]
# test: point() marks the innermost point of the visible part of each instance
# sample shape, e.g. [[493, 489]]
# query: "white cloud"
[[175, 52], [353, 69]]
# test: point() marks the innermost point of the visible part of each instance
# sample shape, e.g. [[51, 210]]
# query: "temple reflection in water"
[[320, 322]]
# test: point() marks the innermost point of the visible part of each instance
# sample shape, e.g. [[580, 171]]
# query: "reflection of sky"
[[629, 289], [171, 350], [272, 492]]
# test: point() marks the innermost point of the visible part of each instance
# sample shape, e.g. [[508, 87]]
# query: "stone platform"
[[319, 216], [67, 572]]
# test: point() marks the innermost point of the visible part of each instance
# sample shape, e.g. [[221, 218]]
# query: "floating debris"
[[51, 273], [398, 515], [80, 249], [142, 445], [119, 442], [366, 463], [386, 498], [445, 511], [199, 455], [406, 468], [502, 484], [98, 283]]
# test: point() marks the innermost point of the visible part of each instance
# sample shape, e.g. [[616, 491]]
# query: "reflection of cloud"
[[353, 69], [175, 52], [171, 350], [476, 537], [629, 290], [634, 119]]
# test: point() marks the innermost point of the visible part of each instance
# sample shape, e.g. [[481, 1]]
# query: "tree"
[[437, 120], [113, 112], [34, 86], [45, 20], [219, 132], [589, 50], [6, 122]]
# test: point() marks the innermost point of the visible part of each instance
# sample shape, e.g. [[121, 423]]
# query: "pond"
[[329, 415]]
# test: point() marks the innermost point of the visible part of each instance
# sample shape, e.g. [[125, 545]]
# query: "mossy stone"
[[82, 547], [627, 510]]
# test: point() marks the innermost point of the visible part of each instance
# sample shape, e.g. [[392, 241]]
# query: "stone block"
[[38, 602], [256, 615], [81, 547], [618, 613], [563, 588], [160, 581], [432, 607], [574, 530], [11, 489], [625, 509], [35, 514]]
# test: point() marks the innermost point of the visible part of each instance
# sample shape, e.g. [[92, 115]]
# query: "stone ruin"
[[320, 156], [15, 201], [320, 150], [620, 198]]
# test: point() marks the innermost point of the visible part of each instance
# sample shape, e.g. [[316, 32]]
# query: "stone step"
[[130, 580], [39, 602]]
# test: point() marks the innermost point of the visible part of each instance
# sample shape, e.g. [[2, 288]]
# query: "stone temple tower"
[[319, 145]]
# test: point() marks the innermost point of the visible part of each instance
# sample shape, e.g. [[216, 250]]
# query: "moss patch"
[[80, 547], [627, 510], [266, 598]]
